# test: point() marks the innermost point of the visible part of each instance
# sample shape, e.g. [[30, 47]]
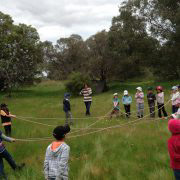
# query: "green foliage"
[[20, 53], [76, 82]]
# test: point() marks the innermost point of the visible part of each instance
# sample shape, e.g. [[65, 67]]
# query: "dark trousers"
[[174, 109], [152, 109], [177, 174], [88, 105], [9, 159], [161, 108], [127, 110], [7, 130]]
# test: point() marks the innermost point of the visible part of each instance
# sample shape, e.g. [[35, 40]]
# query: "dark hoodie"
[[174, 143]]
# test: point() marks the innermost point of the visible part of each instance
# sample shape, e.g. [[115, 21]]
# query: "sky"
[[54, 19]]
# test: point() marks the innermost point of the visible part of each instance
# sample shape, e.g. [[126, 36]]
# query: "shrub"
[[76, 82]]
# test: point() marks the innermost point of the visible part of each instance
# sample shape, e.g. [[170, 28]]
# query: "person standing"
[[151, 97], [4, 154], [139, 102], [87, 92], [67, 108], [57, 156], [175, 98], [116, 107], [6, 119], [127, 100], [160, 102], [174, 146]]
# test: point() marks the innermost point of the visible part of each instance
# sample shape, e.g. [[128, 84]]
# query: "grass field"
[[133, 152]]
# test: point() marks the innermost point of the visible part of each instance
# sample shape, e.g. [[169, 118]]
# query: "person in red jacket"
[[174, 146]]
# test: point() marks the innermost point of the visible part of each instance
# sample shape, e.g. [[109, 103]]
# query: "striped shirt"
[[87, 94]]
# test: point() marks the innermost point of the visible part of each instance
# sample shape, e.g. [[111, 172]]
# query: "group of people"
[[57, 153], [152, 98]]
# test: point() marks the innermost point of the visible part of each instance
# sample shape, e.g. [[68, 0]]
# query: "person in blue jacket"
[[67, 108], [127, 100]]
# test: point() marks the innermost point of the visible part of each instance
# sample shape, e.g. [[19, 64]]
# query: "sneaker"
[[20, 167]]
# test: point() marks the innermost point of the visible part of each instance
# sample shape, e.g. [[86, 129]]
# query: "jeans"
[[88, 105], [68, 116], [177, 174], [140, 110], [7, 130], [174, 109], [9, 159], [161, 108], [127, 110], [152, 110]]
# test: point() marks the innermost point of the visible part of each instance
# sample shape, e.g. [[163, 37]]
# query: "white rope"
[[100, 130]]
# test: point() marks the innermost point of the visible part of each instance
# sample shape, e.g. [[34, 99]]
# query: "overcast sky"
[[60, 18]]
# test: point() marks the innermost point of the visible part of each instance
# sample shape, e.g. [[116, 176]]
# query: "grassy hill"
[[137, 151]]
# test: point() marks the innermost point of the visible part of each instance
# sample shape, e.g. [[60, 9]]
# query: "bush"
[[76, 82]]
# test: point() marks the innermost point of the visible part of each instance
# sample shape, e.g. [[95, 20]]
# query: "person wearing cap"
[[67, 108], [139, 102], [127, 100], [160, 102], [57, 156], [174, 146], [151, 97], [175, 98], [116, 107], [6, 119]]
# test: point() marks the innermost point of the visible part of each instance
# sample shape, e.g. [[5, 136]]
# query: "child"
[[6, 119], [127, 100], [87, 93], [160, 102], [67, 108], [139, 102], [57, 156], [151, 102], [175, 98], [177, 114], [5, 154], [174, 146], [116, 107]]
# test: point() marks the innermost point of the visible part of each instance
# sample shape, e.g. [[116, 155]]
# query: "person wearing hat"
[[175, 98], [57, 156], [174, 146], [151, 97], [127, 100], [67, 108], [160, 102], [116, 107], [6, 119], [139, 102]]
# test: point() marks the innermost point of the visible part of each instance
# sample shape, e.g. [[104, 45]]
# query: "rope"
[[100, 130]]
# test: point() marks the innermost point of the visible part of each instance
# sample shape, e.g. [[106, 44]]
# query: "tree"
[[99, 63], [20, 53], [130, 44], [71, 57]]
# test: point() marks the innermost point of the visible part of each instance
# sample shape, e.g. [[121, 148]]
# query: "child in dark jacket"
[[5, 154], [151, 102], [67, 108], [6, 119], [174, 146]]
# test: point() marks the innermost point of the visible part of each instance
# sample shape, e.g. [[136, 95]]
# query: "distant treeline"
[[145, 36]]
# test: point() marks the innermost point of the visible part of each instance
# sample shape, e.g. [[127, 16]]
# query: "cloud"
[[54, 18]]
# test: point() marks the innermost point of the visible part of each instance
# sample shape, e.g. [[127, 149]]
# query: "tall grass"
[[131, 152]]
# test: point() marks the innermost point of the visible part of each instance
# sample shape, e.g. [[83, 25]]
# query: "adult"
[[86, 92]]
